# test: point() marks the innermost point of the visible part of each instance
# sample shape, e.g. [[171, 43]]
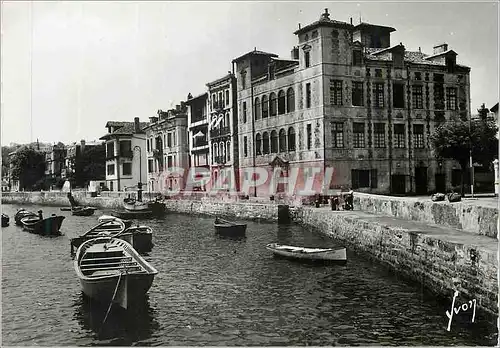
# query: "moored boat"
[[228, 227], [44, 226], [82, 211], [309, 254], [5, 220], [21, 213], [126, 215], [110, 270], [108, 228], [133, 205], [141, 238]]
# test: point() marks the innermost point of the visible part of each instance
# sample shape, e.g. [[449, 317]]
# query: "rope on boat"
[[114, 295]]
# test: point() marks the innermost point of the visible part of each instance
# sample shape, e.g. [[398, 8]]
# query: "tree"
[[90, 165], [454, 139], [28, 166]]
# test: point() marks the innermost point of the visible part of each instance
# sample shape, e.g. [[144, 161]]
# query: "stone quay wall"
[[477, 219], [439, 264]]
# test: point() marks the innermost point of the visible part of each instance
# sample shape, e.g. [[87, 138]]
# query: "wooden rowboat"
[[82, 211], [141, 237], [133, 205], [312, 254], [39, 225], [229, 228], [21, 213], [108, 228], [5, 220], [111, 271], [126, 215]]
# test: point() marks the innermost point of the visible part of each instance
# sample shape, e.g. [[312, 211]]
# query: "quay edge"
[[424, 253]]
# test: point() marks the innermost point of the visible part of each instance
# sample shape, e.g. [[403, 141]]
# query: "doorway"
[[440, 183], [398, 184], [421, 180]]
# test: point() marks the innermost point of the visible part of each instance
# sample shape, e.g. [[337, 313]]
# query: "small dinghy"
[[226, 227], [21, 213], [5, 220], [309, 254], [82, 211], [133, 205], [127, 215], [103, 218], [44, 226], [111, 271], [107, 228]]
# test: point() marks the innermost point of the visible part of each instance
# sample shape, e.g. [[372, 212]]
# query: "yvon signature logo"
[[464, 307]]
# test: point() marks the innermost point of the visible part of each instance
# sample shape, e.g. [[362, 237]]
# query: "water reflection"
[[122, 327]]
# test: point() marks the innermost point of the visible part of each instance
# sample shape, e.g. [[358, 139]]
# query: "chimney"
[[137, 128], [419, 50], [183, 105], [295, 53], [440, 48], [299, 26], [189, 96], [351, 20], [177, 107], [82, 145]]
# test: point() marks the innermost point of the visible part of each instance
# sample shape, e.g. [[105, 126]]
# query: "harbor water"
[[212, 290]]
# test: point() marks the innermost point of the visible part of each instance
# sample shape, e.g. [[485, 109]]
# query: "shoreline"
[[439, 257]]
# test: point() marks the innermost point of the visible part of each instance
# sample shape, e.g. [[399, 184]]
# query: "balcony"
[[199, 142], [220, 132]]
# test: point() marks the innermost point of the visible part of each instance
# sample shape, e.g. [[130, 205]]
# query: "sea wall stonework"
[[469, 218]]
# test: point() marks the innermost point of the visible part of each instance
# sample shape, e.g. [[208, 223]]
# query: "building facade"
[[55, 161], [126, 164], [349, 100], [198, 134], [167, 150], [223, 132]]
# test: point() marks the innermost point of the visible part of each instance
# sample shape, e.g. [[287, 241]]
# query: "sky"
[[68, 67]]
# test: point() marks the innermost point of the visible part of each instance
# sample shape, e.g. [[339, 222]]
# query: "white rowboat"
[[312, 254]]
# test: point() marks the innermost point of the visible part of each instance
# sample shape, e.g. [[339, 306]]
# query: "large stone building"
[[350, 100], [167, 150], [55, 161], [125, 154], [223, 127]]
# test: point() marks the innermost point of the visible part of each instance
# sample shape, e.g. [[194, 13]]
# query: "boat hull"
[[22, 214], [335, 255], [235, 230], [135, 206], [132, 288], [141, 241], [142, 214], [83, 212], [5, 220], [47, 226]]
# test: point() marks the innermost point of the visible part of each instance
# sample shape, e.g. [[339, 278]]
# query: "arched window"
[[265, 107], [291, 139], [282, 139], [265, 143], [290, 100], [226, 120], [258, 144], [215, 153], [273, 104], [222, 152], [281, 102], [228, 150], [257, 109], [274, 142]]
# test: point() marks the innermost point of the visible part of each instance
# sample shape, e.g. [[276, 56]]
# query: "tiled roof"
[[203, 95], [323, 21], [375, 54], [116, 123], [255, 52], [374, 26], [125, 128]]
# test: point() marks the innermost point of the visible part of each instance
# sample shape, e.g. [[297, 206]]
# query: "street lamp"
[[139, 185]]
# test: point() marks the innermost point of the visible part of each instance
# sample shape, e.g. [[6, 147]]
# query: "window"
[[147, 144], [291, 139], [451, 98], [309, 136], [307, 58], [281, 102], [399, 136], [271, 72], [357, 59], [378, 95], [265, 143], [110, 149], [245, 146], [174, 138], [335, 92], [337, 135], [357, 94], [418, 76], [398, 95], [360, 178], [373, 178], [257, 109], [244, 112], [258, 144], [273, 104], [418, 133], [111, 169], [127, 168], [379, 135], [308, 95], [378, 72], [228, 150], [274, 142], [290, 100], [439, 96], [358, 135], [169, 139], [265, 106], [243, 79], [439, 78], [418, 98], [169, 162], [227, 97], [150, 166], [282, 140]]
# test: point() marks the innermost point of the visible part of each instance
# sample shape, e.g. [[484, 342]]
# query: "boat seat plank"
[[117, 263], [111, 268], [108, 258]]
